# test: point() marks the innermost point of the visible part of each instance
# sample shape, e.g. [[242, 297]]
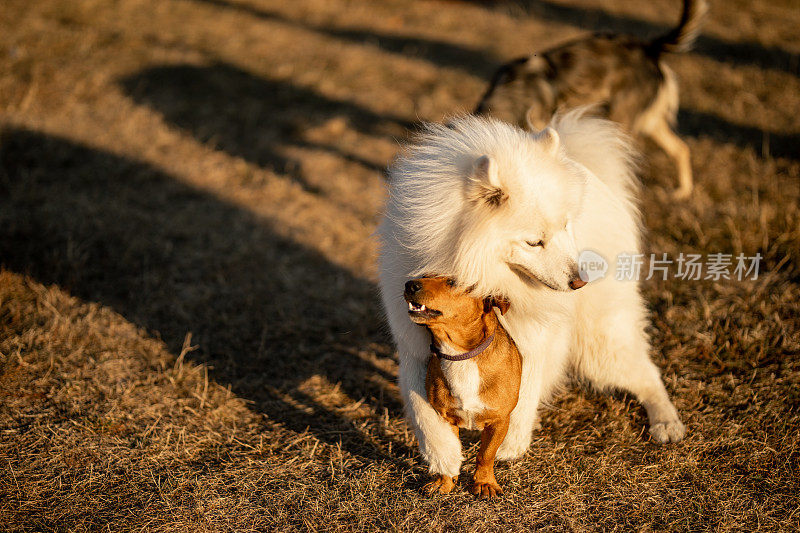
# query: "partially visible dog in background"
[[624, 76]]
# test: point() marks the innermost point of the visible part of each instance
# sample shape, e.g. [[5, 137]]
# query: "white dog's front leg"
[[523, 418], [437, 442], [544, 353]]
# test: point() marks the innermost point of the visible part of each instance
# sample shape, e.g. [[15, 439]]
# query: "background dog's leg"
[[663, 136], [484, 482], [625, 364]]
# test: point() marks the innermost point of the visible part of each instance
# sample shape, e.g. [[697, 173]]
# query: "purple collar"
[[464, 356]]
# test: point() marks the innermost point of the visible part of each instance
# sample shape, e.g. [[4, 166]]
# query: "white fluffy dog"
[[507, 212]]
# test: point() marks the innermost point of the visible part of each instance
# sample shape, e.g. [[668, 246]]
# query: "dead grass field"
[[190, 338]]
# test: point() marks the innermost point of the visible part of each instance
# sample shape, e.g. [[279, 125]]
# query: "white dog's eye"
[[534, 244]]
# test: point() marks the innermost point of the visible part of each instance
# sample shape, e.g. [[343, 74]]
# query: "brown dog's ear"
[[496, 301], [501, 303]]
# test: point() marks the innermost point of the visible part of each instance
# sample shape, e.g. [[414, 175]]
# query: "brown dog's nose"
[[576, 283], [413, 286]]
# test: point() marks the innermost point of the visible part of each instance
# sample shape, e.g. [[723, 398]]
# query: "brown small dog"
[[474, 371]]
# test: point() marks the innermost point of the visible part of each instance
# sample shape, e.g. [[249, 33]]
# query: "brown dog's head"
[[440, 300]]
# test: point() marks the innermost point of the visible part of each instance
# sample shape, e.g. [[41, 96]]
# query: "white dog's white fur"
[[507, 212]]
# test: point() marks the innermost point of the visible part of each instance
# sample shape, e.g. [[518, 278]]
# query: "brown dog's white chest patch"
[[464, 381]]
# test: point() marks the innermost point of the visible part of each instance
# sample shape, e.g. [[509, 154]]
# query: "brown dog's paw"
[[484, 490], [442, 485]]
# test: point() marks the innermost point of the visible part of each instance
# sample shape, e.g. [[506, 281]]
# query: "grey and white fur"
[[623, 76]]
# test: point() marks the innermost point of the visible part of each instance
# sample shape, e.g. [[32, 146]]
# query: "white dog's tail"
[[601, 146]]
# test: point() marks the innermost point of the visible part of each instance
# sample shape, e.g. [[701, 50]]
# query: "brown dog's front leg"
[[484, 484]]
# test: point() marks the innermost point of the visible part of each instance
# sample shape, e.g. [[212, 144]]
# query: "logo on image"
[[592, 266]]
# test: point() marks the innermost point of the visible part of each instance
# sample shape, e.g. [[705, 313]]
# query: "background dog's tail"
[[681, 39]]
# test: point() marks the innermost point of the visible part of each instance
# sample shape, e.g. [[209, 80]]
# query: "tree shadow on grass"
[[438, 52], [253, 117], [765, 143], [267, 313]]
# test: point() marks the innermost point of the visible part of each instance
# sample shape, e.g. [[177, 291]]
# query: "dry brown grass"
[[212, 167]]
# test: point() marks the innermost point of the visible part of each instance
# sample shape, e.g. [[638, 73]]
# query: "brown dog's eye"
[[451, 282], [533, 244]]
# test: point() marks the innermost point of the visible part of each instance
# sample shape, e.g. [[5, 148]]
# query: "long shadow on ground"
[[439, 52], [252, 117], [266, 313], [764, 143]]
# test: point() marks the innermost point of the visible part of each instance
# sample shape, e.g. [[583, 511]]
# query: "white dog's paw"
[[443, 457], [670, 431], [449, 465], [513, 447]]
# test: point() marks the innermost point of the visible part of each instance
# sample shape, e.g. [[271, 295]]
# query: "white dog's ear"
[[485, 183], [485, 170], [533, 119], [549, 140]]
